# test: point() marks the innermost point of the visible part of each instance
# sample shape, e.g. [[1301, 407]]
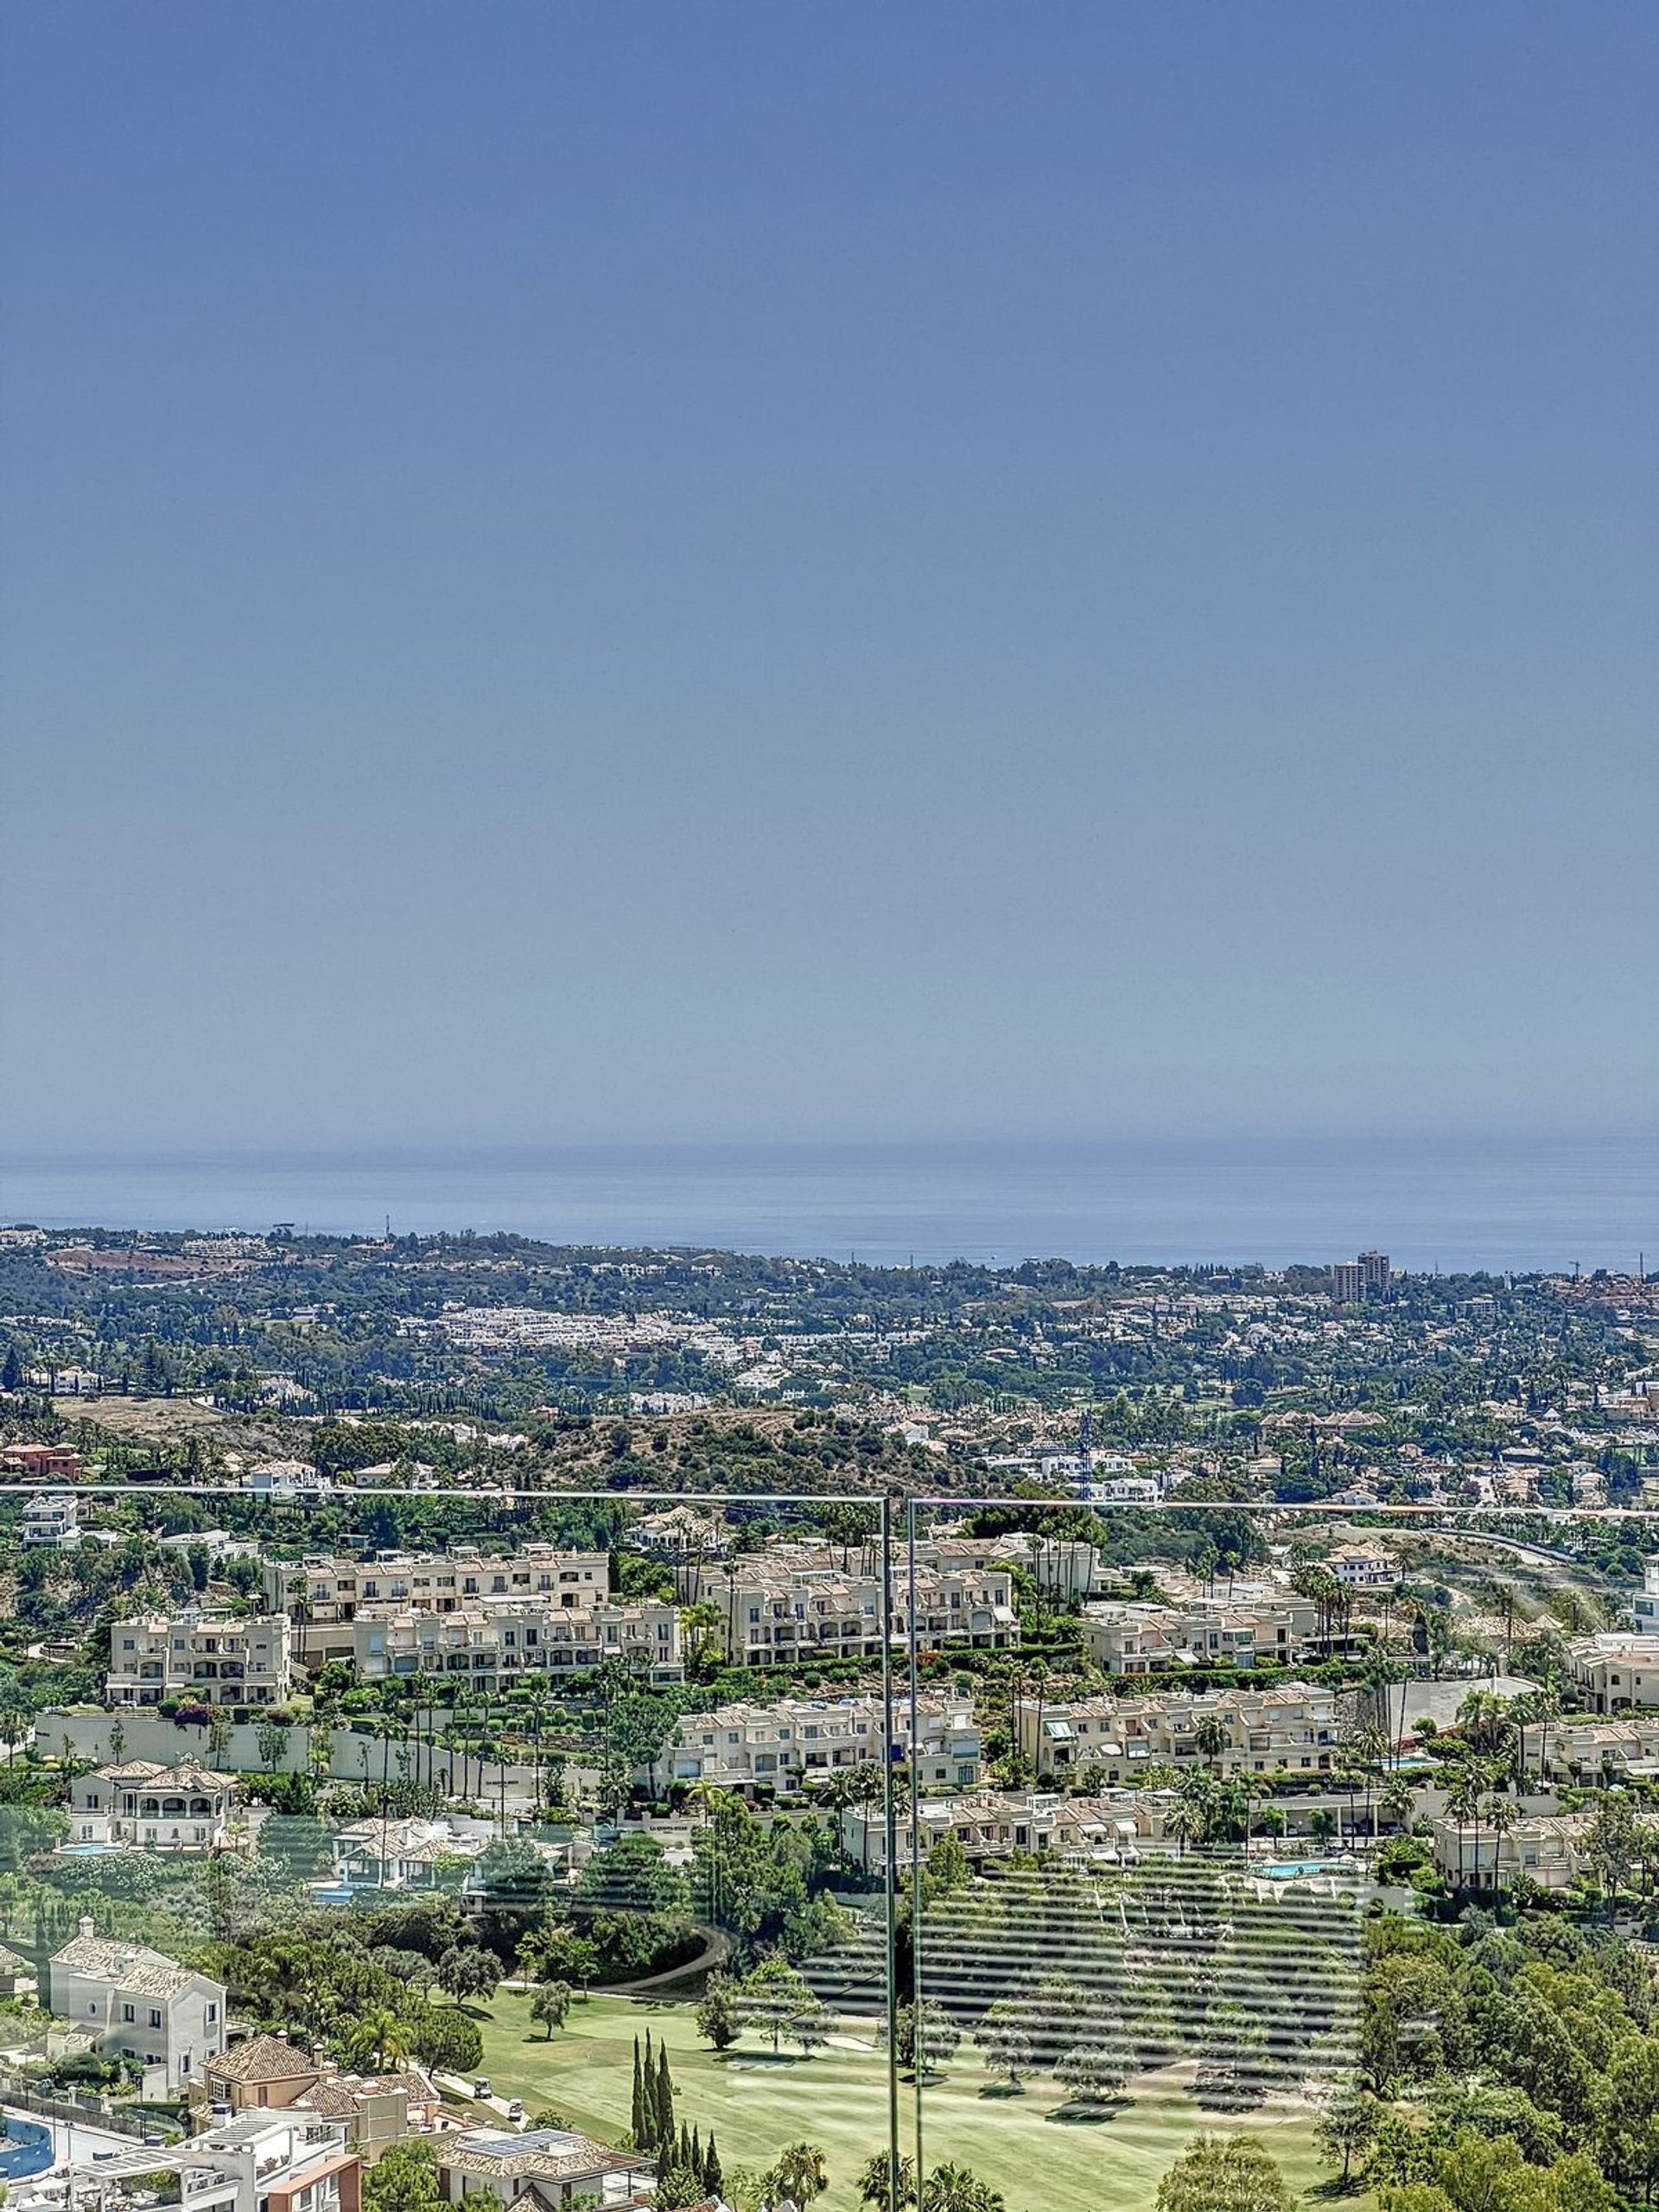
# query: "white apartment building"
[[1548, 1849], [52, 1516], [1644, 1606], [322, 1593], [217, 1658], [1356, 1568], [1129, 1637], [1063, 1565], [780, 1606], [182, 1807], [287, 2161], [1114, 1830], [1292, 1728], [505, 1640], [796, 1743], [1616, 1672], [136, 2003], [1598, 1751]]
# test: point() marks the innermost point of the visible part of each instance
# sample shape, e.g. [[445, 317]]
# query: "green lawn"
[[839, 2100]]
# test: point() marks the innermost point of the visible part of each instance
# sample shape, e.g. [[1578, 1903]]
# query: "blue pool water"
[[25, 2149], [1289, 1872]]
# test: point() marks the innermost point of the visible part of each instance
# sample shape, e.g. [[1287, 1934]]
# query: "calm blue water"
[[1506, 1202]]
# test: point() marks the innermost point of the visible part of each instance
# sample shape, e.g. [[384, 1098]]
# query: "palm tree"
[[379, 2038], [1463, 1803], [1396, 1803], [1188, 1817], [875, 2183], [802, 2172], [950, 2187], [1211, 1739], [1502, 1813]]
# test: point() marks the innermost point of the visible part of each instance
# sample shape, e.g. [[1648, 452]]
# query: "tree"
[[271, 1739], [379, 2039], [1610, 1844], [1093, 2072], [404, 2179], [469, 1970], [633, 1875], [1003, 2038], [550, 2007], [445, 2036], [1224, 2173], [660, 2099], [931, 2041], [777, 2000], [720, 2014], [802, 2172], [1189, 1816], [951, 2187], [875, 2183], [1211, 1739], [1346, 2127]]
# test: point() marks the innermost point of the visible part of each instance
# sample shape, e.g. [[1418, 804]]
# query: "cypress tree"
[[694, 2159], [712, 2176], [637, 2122], [664, 2100], [683, 2155]]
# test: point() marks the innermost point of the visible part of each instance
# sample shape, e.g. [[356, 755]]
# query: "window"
[[128, 2014], [155, 2017]]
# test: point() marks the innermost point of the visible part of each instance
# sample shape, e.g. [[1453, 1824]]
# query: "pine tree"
[[664, 2100], [637, 2122], [713, 2174]]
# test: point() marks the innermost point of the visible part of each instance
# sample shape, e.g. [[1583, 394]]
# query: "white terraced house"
[[1129, 1637], [136, 2003], [1118, 1829], [1598, 1751], [797, 1743], [182, 1807], [1548, 1849], [323, 1594], [505, 1640], [1616, 1672], [1292, 1728], [217, 1658], [776, 1610]]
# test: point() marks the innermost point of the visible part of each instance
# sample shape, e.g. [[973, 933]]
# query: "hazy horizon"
[[1523, 1201]]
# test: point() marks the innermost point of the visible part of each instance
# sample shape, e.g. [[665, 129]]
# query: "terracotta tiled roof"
[[261, 2059]]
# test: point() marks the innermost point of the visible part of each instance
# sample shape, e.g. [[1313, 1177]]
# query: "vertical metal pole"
[[917, 2052], [890, 1821]]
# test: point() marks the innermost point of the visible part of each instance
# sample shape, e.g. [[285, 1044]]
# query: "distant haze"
[[739, 573]]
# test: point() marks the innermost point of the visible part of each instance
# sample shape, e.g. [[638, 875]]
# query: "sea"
[[1449, 1203]]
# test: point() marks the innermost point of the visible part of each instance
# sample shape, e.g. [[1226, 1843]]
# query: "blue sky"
[[745, 571]]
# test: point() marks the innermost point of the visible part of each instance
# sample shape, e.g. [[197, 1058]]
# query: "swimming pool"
[[1292, 1869], [25, 2149]]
